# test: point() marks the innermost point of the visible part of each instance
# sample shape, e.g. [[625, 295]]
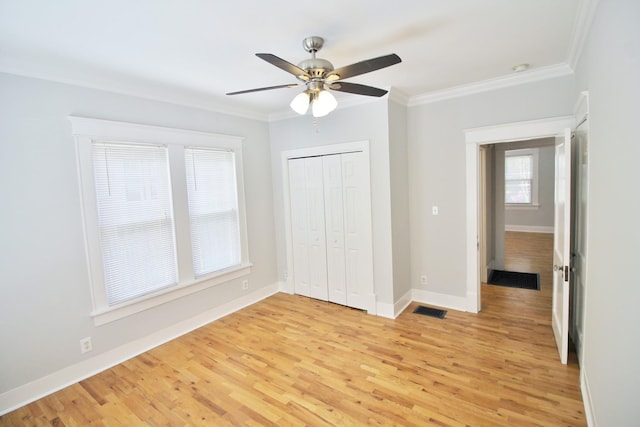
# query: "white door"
[[579, 229], [356, 189], [334, 221], [561, 244], [308, 228]]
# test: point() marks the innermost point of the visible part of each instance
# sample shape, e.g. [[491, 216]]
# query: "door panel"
[[579, 229], [307, 227], [316, 231], [561, 244], [298, 200], [334, 220], [357, 212]]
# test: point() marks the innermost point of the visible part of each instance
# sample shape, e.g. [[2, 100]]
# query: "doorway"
[[475, 138], [517, 215], [560, 128]]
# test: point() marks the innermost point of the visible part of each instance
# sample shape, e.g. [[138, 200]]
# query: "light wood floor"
[[290, 360]]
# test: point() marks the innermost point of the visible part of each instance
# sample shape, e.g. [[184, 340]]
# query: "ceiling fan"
[[318, 75]]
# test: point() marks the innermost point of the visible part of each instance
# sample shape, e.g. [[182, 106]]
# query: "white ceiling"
[[194, 51]]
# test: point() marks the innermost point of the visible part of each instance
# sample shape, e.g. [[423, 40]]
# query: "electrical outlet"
[[85, 345], [286, 275], [434, 210], [245, 285], [423, 280]]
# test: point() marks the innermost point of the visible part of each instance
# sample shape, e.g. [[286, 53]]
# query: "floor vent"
[[432, 312]]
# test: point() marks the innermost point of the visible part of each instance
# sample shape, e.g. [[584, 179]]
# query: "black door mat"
[[514, 279], [428, 311]]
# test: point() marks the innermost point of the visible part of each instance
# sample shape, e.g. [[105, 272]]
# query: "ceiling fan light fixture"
[[323, 103], [300, 103]]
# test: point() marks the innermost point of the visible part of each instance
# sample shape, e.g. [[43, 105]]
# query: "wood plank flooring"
[[290, 360]]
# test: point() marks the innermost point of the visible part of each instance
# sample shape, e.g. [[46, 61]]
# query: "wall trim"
[[402, 303], [132, 87], [586, 399], [543, 73], [384, 309], [441, 300], [581, 26], [27, 393], [529, 228]]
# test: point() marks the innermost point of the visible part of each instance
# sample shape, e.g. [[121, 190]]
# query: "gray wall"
[[45, 301], [609, 70], [437, 174], [398, 163]]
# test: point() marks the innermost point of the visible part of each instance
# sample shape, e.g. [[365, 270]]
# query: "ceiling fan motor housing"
[[316, 67]]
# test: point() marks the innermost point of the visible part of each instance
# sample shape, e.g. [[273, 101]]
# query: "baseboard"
[[392, 311], [384, 309], [27, 393], [586, 399], [529, 228], [284, 288], [441, 300]]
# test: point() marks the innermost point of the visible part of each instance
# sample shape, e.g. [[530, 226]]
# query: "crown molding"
[[399, 97], [534, 75], [129, 87], [584, 18]]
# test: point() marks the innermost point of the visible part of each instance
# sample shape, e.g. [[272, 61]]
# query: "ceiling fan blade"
[[263, 88], [364, 67], [357, 89], [285, 65]]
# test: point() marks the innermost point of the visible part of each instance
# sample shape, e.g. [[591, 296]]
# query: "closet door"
[[308, 227], [334, 220], [357, 230]]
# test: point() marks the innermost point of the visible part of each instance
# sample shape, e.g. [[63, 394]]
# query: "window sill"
[[106, 315], [524, 207]]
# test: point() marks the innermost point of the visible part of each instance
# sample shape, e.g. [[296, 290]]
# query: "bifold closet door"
[[331, 228], [334, 222], [308, 228], [358, 252]]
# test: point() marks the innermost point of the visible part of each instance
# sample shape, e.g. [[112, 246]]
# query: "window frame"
[[534, 153], [86, 131]]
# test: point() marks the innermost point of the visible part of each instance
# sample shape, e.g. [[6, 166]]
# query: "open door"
[[561, 244]]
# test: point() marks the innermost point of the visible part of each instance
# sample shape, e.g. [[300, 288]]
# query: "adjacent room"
[[289, 213]]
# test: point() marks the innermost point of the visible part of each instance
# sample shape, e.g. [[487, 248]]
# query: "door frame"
[[321, 150], [474, 138]]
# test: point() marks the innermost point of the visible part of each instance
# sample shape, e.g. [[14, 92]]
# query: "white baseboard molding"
[[27, 393], [529, 228], [441, 300], [401, 304], [586, 399], [284, 288], [384, 309]]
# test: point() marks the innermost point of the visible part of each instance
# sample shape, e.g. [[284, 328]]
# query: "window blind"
[[135, 218], [213, 209], [518, 179]]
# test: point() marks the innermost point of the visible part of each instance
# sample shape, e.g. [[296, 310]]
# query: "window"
[[164, 213], [213, 209], [521, 177], [135, 219]]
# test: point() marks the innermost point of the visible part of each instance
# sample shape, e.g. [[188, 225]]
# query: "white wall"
[[609, 69], [45, 301], [368, 122], [437, 175]]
